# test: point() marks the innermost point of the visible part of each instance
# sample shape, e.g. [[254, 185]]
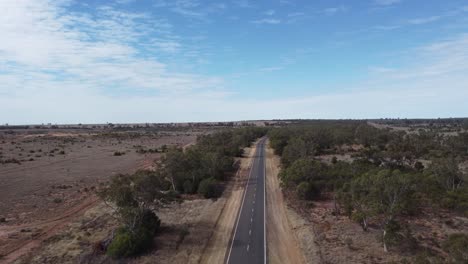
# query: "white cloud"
[[334, 10], [424, 20], [271, 21], [192, 9], [44, 48]]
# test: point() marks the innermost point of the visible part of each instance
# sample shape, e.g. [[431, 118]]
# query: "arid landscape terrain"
[[52, 210], [49, 176]]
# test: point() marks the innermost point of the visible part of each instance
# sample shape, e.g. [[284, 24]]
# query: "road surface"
[[248, 244]]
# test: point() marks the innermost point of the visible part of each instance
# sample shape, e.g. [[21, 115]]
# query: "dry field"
[[47, 178]]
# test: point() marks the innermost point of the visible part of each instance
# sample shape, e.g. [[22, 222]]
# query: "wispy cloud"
[[270, 21], [424, 20], [193, 9], [334, 10], [51, 51]]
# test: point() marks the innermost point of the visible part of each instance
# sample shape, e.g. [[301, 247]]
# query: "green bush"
[[127, 243], [208, 188], [122, 245], [457, 247]]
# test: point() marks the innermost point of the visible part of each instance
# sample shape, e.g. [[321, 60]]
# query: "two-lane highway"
[[248, 243]]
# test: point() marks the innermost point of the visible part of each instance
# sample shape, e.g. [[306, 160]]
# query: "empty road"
[[248, 243]]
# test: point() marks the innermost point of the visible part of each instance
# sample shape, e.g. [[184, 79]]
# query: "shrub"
[[334, 160], [307, 191], [150, 221], [419, 166], [188, 187], [208, 188], [127, 243], [456, 200], [456, 246]]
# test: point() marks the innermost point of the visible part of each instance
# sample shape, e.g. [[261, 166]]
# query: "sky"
[[137, 61]]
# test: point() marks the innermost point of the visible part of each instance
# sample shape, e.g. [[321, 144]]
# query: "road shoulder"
[[289, 239]]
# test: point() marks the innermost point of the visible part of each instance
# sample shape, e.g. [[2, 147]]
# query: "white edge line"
[[264, 205], [242, 205]]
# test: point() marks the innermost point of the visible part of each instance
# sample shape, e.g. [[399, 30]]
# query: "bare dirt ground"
[[283, 246], [54, 174], [218, 245]]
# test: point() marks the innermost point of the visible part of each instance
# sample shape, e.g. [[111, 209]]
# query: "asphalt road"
[[248, 244]]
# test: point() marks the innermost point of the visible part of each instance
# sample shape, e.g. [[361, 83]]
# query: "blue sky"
[[66, 61]]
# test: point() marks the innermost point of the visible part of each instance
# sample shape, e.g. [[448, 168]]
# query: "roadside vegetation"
[[200, 169], [379, 177]]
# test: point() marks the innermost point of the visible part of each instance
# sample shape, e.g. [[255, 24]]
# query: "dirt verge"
[[283, 246]]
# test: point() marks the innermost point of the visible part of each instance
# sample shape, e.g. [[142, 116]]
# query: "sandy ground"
[[219, 243], [283, 246]]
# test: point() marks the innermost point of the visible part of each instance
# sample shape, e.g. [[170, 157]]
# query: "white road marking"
[[248, 246], [250, 232], [240, 211]]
